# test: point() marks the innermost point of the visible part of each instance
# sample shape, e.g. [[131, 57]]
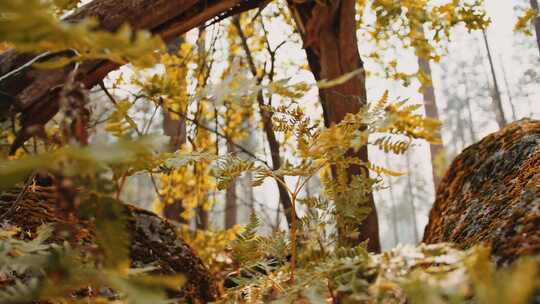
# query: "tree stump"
[[491, 195], [154, 241]]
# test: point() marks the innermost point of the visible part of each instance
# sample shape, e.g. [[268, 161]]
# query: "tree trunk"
[[472, 133], [230, 198], [393, 209], [32, 91], [176, 131], [430, 106], [202, 220], [329, 34], [268, 127], [410, 186], [496, 94], [534, 6], [508, 90]]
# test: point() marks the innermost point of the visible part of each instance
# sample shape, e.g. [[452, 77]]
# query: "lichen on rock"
[[491, 195], [154, 242]]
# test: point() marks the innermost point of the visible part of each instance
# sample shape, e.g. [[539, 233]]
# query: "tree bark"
[[430, 106], [175, 129], [33, 93], [329, 35], [202, 220]]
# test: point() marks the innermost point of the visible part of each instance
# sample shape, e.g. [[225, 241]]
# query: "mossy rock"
[[491, 195], [154, 241]]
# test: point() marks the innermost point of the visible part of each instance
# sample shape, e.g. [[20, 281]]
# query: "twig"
[[113, 100], [198, 124], [21, 194]]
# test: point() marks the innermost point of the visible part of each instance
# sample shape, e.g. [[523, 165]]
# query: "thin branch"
[[198, 124], [113, 100]]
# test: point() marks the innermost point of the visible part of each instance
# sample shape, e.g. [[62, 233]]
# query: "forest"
[[269, 151]]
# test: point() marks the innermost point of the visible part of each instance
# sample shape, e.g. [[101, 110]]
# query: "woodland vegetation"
[[253, 151]]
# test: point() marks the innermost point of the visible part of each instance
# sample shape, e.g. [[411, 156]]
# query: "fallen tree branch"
[[33, 93]]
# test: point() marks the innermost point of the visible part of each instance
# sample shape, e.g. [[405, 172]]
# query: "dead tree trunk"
[[329, 34], [31, 92]]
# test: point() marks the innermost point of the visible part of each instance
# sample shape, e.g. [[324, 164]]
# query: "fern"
[[250, 230], [31, 27], [389, 144], [229, 168]]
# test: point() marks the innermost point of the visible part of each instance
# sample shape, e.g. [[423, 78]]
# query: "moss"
[[491, 194], [154, 240]]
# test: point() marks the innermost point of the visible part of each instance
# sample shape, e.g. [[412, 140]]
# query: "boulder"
[[154, 241], [491, 195]]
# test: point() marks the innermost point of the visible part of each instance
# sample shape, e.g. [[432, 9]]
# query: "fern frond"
[[229, 168], [389, 144], [383, 171]]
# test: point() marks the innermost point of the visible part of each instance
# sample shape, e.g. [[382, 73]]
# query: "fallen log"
[[33, 93], [491, 195], [154, 241]]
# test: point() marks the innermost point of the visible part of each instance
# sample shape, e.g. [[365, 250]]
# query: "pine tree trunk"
[[430, 106], [329, 34], [496, 94]]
